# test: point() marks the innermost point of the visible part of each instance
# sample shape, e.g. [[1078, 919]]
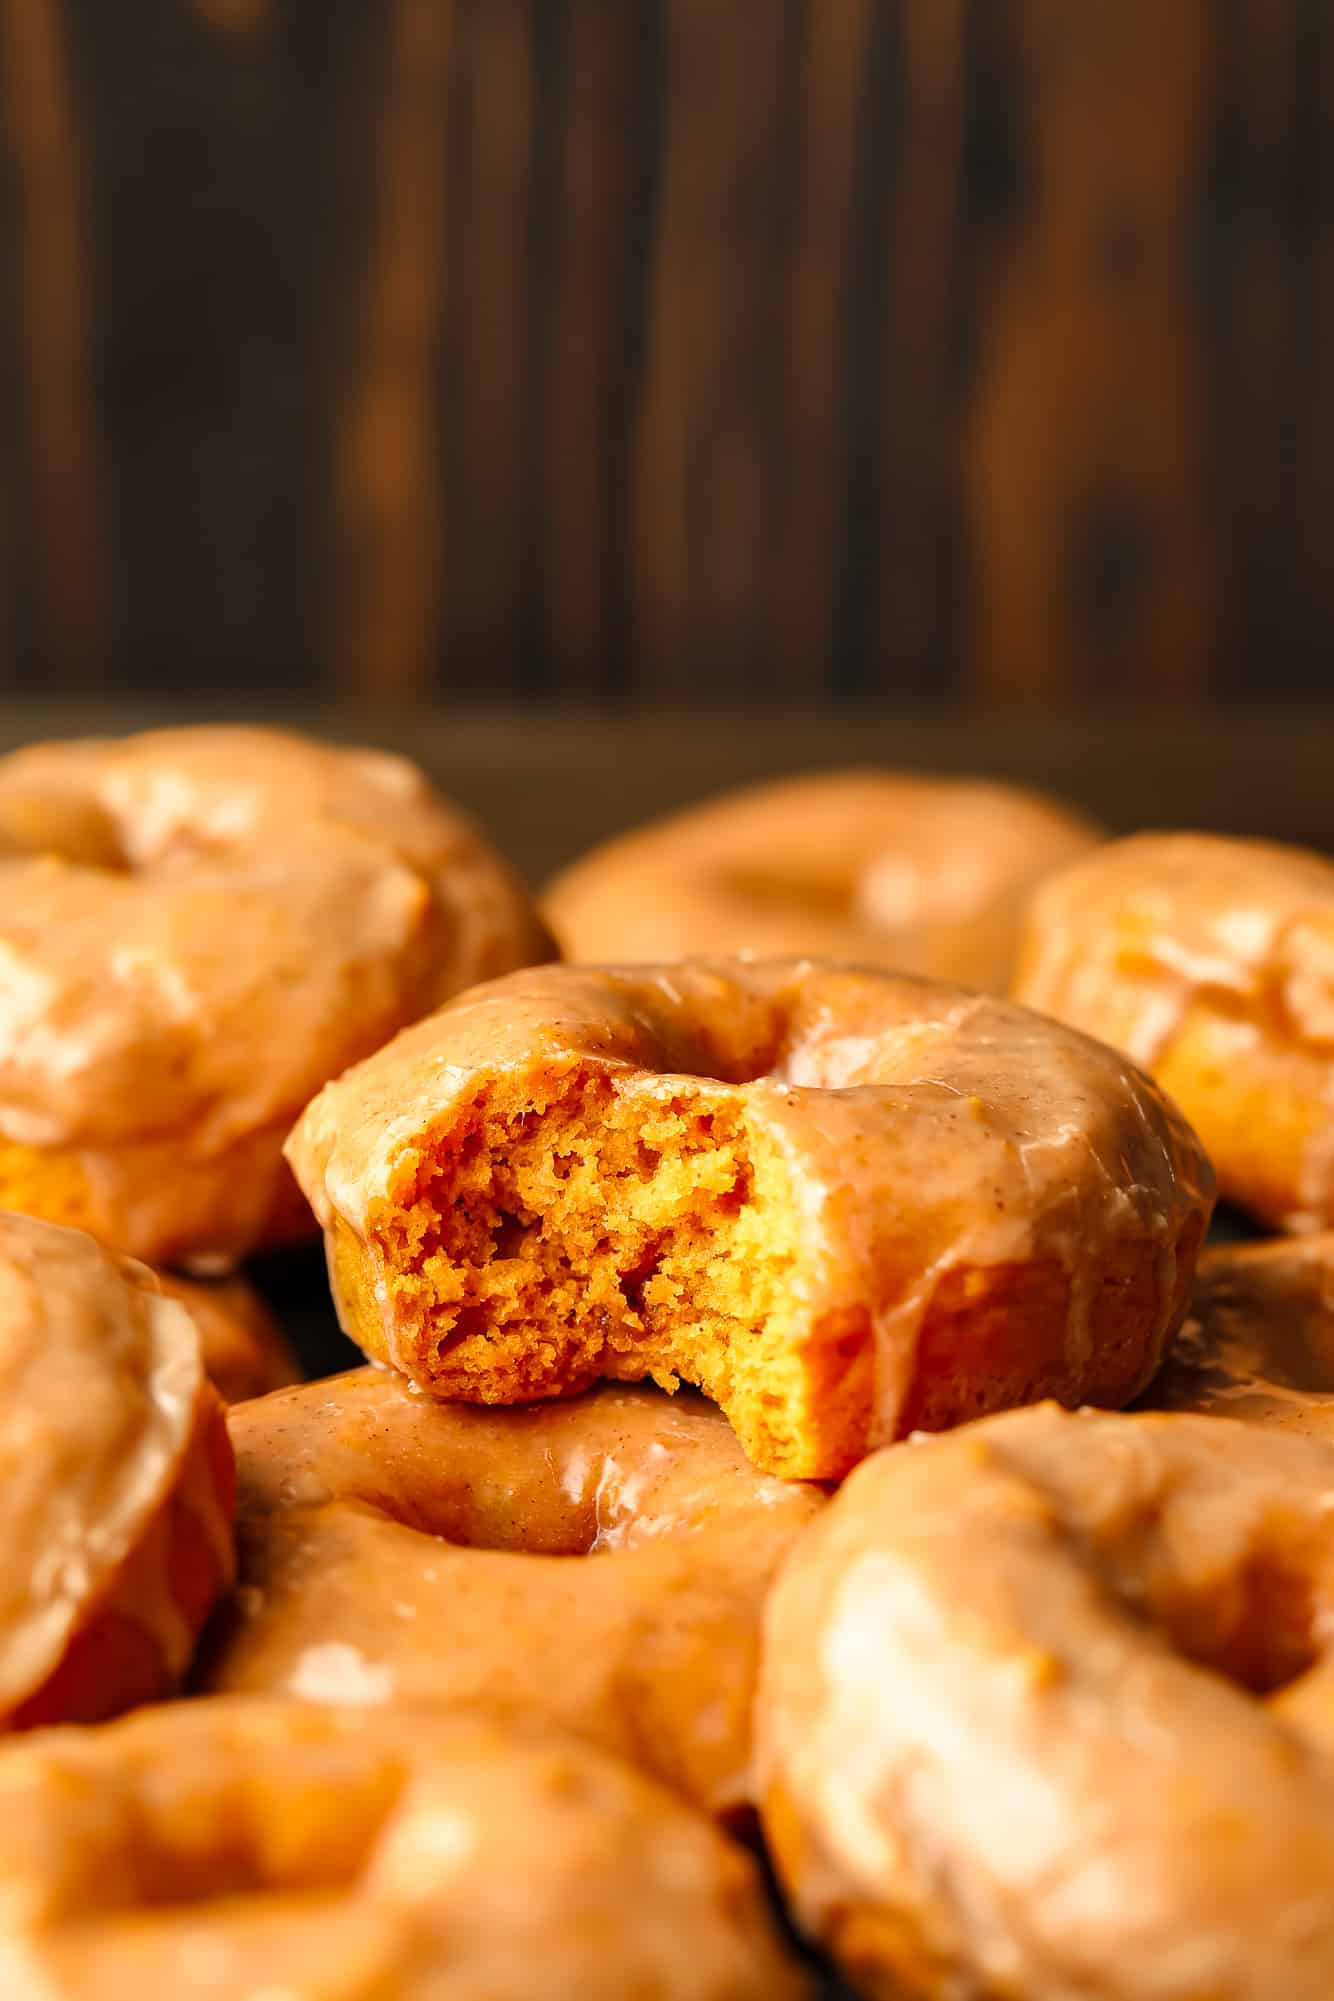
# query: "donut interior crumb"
[[548, 1240]]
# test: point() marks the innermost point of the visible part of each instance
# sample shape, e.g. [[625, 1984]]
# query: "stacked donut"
[[690, 1494]]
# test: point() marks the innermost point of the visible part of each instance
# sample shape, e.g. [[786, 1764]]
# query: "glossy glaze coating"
[[255, 1851], [879, 868], [245, 1351], [1047, 1709], [115, 1483], [1258, 1342], [197, 928], [1211, 963], [934, 1203], [599, 1564]]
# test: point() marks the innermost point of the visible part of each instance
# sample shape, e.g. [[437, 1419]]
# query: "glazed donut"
[[115, 1481], [1258, 1342], [237, 1851], [876, 868], [198, 927], [1045, 1709], [397, 1550], [1210, 962], [845, 1204], [245, 1351]]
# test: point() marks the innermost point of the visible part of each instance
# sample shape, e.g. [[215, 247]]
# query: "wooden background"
[[887, 350]]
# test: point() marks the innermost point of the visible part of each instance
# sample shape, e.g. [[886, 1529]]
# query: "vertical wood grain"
[[492, 108], [581, 405], [910, 649], [58, 412], [815, 402], [388, 538], [1263, 187], [708, 449], [1084, 457], [1313, 440]]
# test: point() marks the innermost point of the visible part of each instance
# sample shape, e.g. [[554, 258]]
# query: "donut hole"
[[1256, 1628], [246, 1834], [610, 1233], [70, 829]]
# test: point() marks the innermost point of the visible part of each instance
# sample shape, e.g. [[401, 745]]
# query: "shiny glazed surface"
[[246, 1851], [1046, 1710], [922, 875], [924, 1155], [197, 928], [245, 1351], [1211, 963], [599, 1564], [1258, 1342], [114, 1482]]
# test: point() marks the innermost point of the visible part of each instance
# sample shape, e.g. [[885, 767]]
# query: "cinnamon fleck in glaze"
[[845, 1204], [1210, 962], [246, 1851], [1258, 1342], [599, 1563], [879, 868], [197, 928], [115, 1481], [1047, 1708]]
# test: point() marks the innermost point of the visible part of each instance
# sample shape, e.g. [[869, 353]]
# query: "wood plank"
[[1083, 455], [1253, 296], [912, 630], [388, 545], [492, 109], [711, 422], [60, 424], [818, 284], [583, 407]]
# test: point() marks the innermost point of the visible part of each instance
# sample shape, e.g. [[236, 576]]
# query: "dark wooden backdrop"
[[889, 349]]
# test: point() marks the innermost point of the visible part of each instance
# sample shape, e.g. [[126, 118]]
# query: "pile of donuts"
[[813, 1509]]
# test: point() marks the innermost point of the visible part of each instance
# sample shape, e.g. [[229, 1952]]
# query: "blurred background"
[[942, 381]]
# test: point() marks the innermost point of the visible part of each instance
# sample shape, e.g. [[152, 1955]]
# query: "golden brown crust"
[[599, 1563], [199, 927], [1045, 1708], [1258, 1343], [878, 868], [116, 1501], [232, 1850], [843, 1203], [1211, 963]]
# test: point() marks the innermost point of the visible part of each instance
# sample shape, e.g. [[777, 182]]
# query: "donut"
[[242, 1851], [1211, 963], [845, 1204], [1258, 1342], [116, 1481], [1045, 1709], [197, 928], [394, 1550], [878, 868], [245, 1351]]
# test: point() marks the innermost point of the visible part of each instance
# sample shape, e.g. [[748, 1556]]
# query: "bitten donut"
[[877, 868], [250, 1850], [599, 1563], [116, 1481], [197, 928], [845, 1204], [1258, 1342], [245, 1351], [1047, 1708], [1211, 963]]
